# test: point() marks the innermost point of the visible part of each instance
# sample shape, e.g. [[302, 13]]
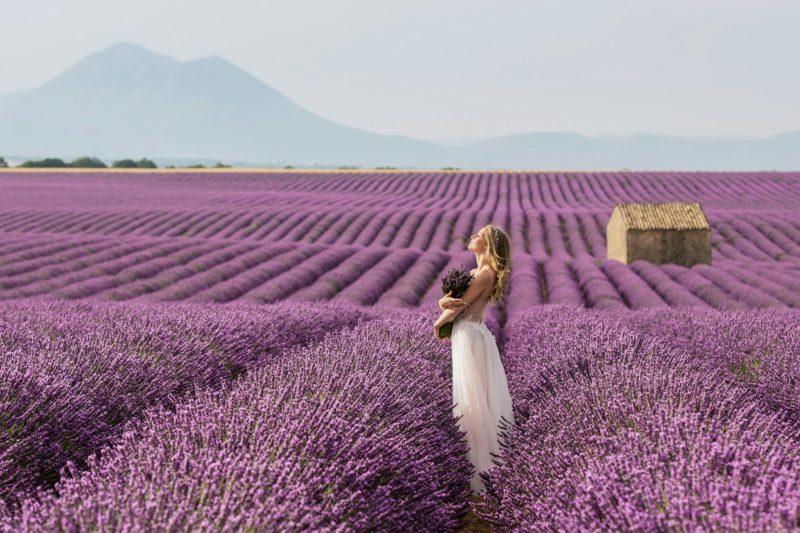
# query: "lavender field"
[[249, 351]]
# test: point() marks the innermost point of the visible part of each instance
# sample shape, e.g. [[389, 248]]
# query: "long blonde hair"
[[498, 256]]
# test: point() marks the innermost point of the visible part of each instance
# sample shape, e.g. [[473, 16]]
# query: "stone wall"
[[681, 247]]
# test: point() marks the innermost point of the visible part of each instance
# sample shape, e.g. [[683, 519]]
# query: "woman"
[[480, 389]]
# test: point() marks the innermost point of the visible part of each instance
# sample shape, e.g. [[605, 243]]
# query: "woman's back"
[[477, 310]]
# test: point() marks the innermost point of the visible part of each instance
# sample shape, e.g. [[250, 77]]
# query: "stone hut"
[[671, 232]]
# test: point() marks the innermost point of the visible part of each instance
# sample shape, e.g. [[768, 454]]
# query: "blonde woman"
[[480, 388]]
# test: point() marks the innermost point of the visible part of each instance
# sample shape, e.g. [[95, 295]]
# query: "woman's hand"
[[436, 327], [448, 302]]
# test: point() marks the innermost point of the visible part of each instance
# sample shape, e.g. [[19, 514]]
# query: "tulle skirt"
[[480, 393]]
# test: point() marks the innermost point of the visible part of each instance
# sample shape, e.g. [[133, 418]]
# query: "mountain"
[[127, 101]]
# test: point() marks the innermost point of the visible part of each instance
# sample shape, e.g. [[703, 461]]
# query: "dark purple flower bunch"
[[455, 281]]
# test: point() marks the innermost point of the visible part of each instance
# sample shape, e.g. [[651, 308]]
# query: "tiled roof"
[[665, 215]]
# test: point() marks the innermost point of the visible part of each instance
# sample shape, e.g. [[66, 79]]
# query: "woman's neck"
[[480, 260]]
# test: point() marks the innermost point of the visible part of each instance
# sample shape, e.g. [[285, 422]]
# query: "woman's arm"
[[447, 301], [481, 282], [442, 300]]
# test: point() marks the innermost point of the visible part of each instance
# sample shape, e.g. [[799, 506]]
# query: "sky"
[[459, 69]]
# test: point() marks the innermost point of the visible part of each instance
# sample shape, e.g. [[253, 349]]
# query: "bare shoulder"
[[484, 276]]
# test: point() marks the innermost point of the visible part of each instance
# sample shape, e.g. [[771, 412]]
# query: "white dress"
[[480, 391]]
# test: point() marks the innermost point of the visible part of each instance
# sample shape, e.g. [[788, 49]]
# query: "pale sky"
[[434, 69]]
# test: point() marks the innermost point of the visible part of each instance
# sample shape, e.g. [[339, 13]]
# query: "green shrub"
[[124, 163], [87, 162], [48, 162]]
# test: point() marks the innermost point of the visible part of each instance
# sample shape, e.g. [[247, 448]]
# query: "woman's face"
[[477, 242]]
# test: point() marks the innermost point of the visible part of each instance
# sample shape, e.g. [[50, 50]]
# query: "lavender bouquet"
[[455, 281]]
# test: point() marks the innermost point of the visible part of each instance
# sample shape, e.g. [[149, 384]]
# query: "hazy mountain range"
[[127, 101]]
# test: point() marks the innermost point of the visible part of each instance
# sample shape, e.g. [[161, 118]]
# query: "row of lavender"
[[753, 215], [655, 420], [549, 233], [74, 373], [611, 285], [512, 191], [661, 420], [200, 271], [203, 271], [354, 432], [535, 190], [576, 232]]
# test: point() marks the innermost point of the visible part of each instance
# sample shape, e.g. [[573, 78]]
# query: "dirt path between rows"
[[472, 522]]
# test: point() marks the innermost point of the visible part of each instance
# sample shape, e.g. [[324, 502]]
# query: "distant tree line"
[[94, 162], [218, 165], [87, 162], [130, 163]]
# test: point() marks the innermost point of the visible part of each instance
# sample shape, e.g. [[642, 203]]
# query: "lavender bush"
[[73, 373], [624, 432], [757, 351], [347, 434]]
